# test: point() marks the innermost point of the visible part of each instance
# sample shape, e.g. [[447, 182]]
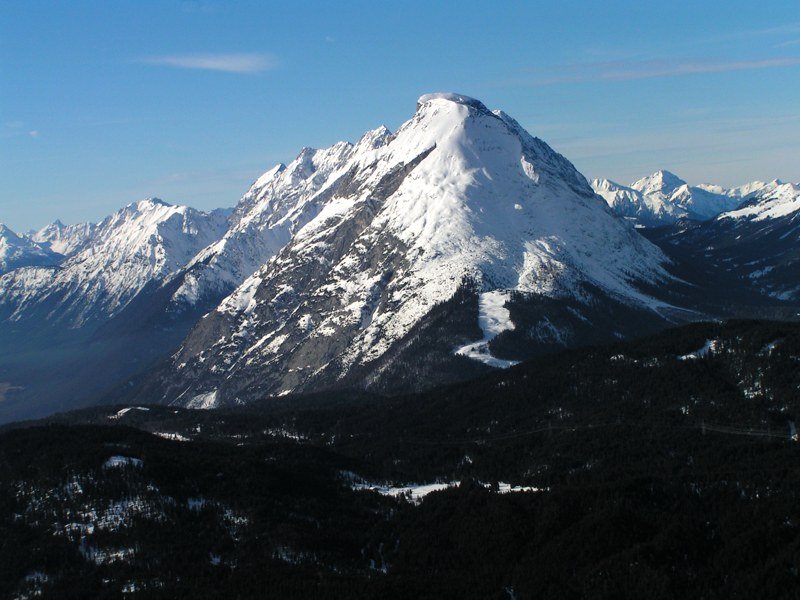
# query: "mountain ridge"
[[457, 244], [143, 241], [19, 251], [459, 193], [664, 198]]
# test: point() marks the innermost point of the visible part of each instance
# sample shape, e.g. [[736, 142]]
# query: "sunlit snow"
[[707, 348], [493, 319]]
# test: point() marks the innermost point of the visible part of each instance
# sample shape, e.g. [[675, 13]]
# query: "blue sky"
[[104, 103]]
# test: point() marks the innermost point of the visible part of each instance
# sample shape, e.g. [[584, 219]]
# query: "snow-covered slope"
[[144, 242], [277, 206], [701, 204], [634, 205], [746, 191], [782, 200], [64, 239], [458, 194], [663, 198], [19, 251], [758, 244], [763, 240]]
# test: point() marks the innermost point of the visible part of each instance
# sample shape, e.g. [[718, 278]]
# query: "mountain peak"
[[450, 97], [10, 236], [374, 138], [20, 251], [661, 181], [268, 176], [63, 239], [148, 202], [146, 205], [666, 176], [605, 184], [381, 237]]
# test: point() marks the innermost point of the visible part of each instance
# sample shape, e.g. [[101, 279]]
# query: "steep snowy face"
[[143, 242], [64, 239], [632, 204], [701, 204], [646, 202], [19, 251], [782, 200], [663, 198], [459, 193], [278, 204]]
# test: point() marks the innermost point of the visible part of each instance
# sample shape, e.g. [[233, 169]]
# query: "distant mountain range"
[[664, 198], [21, 251], [107, 265], [456, 245]]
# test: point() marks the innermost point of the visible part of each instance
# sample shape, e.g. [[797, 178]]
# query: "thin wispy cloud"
[[228, 63], [786, 28], [15, 129], [651, 69], [775, 31]]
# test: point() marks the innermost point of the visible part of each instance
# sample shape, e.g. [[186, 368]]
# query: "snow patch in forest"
[[115, 462], [175, 437], [709, 347], [493, 319], [122, 412], [414, 492]]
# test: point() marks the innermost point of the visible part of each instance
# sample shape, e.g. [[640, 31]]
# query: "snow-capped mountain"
[[757, 243], [47, 247], [276, 207], [19, 251], [460, 198], [660, 185], [456, 245], [746, 191], [663, 198], [64, 239], [144, 242], [780, 201]]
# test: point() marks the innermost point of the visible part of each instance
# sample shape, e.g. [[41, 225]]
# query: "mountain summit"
[[461, 210]]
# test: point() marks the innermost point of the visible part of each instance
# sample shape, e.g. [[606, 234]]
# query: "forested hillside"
[[661, 468]]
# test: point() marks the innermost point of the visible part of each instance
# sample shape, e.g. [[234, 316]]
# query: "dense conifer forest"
[[665, 467]]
